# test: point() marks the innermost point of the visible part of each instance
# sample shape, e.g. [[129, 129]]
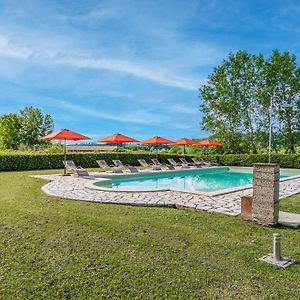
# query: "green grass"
[[291, 204], [61, 249]]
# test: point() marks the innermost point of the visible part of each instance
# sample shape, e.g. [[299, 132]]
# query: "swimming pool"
[[202, 180]]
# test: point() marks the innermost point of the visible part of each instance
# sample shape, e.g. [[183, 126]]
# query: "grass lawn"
[[62, 249], [291, 204]]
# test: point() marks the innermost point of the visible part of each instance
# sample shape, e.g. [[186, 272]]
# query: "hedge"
[[247, 160], [18, 162]]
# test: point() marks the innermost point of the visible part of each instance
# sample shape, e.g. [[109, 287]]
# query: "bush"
[[38, 161], [11, 161], [247, 160]]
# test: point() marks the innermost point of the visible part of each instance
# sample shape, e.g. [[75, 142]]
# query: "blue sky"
[[100, 67]]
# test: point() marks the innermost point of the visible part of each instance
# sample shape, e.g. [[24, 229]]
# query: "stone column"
[[266, 193]]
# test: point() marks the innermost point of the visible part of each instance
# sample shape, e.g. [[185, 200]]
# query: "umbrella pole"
[[184, 151], [156, 152], [65, 157], [117, 150]]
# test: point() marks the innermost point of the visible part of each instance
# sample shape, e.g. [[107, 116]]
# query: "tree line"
[[243, 93], [24, 130]]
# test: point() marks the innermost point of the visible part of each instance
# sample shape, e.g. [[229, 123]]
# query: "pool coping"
[[108, 178]]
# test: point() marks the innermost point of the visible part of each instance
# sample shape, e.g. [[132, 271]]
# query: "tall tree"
[[229, 101], [34, 125], [9, 131], [282, 86]]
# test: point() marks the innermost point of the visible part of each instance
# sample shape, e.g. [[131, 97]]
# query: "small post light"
[[276, 246], [275, 258]]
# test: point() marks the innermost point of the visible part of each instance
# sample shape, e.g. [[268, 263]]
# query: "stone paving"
[[73, 187]]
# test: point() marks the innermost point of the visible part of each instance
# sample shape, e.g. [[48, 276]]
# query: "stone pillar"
[[266, 193]]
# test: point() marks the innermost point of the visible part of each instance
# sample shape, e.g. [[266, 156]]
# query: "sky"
[[134, 67]]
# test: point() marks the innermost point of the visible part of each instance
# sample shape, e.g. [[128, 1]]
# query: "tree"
[[10, 131], [237, 98], [229, 101], [282, 86], [34, 125]]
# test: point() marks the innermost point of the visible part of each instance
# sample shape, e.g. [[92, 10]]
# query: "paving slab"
[[289, 219]]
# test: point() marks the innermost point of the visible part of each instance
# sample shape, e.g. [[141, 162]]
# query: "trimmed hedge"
[[247, 160], [19, 162]]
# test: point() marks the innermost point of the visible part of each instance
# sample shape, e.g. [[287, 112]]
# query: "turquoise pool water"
[[206, 181]]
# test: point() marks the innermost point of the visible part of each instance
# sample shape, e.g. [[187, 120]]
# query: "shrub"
[[247, 160], [39, 161], [12, 161]]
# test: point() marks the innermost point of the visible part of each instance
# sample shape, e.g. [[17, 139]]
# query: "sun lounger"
[[184, 161], [70, 165], [205, 162], [175, 164], [119, 164], [143, 163], [103, 165], [201, 162], [170, 167], [132, 169], [156, 162]]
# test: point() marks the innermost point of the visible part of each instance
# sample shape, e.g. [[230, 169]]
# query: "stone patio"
[[73, 187]]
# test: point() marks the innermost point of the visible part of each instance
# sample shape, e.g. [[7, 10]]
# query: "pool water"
[[207, 181]]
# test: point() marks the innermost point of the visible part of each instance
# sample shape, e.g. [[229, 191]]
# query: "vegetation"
[[24, 130], [237, 98], [291, 204], [17, 161], [57, 249], [39, 161]]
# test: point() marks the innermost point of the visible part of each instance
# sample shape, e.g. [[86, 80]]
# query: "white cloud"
[[181, 109], [137, 116], [94, 14], [143, 70]]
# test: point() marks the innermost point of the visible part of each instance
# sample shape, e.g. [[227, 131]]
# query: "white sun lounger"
[[70, 165]]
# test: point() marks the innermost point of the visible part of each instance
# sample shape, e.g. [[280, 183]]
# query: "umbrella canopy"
[[209, 143], [65, 135], [117, 138], [184, 142], [157, 140]]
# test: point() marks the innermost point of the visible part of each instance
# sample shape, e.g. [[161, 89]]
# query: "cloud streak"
[[146, 71], [136, 117]]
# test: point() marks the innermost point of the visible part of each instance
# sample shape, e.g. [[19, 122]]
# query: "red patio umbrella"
[[184, 142], [117, 138], [157, 140], [209, 143], [65, 135]]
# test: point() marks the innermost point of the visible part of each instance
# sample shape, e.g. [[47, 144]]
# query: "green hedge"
[[247, 160], [18, 162]]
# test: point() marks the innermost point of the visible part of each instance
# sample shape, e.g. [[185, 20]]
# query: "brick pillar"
[[246, 208], [266, 193]]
